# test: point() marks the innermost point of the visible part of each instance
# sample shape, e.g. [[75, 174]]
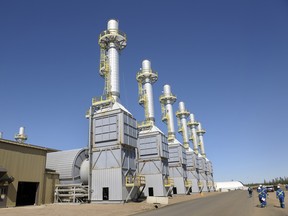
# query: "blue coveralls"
[[263, 197], [280, 195]]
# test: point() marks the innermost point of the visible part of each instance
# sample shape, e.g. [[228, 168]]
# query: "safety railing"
[[188, 183], [168, 182], [144, 124], [138, 180]]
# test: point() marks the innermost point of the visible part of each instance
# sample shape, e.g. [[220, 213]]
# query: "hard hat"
[[278, 186]]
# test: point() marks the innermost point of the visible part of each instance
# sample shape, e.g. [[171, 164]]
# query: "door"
[[26, 193], [105, 193]]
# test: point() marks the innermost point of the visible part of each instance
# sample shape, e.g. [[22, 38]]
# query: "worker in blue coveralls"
[[250, 191], [280, 194], [262, 196]]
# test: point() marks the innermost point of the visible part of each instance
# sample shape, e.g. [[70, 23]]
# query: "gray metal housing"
[[201, 161], [113, 155], [153, 157], [192, 174], [177, 166], [67, 164], [209, 174]]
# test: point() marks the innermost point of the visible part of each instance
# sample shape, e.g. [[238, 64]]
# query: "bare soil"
[[95, 209]]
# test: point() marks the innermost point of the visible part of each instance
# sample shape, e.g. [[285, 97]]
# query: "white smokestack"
[[182, 115], [193, 126], [200, 134], [146, 77], [21, 136], [167, 99], [112, 42]]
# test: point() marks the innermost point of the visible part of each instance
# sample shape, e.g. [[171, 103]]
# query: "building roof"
[[27, 145], [229, 185]]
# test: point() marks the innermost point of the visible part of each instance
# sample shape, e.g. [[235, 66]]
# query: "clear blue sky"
[[226, 59]]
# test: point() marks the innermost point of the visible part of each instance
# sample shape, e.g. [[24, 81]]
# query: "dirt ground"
[[133, 208], [94, 209]]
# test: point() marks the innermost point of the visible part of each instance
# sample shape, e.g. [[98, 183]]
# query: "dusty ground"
[[94, 209], [133, 208]]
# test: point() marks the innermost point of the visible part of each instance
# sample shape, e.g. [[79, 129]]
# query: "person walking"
[[280, 194], [262, 196], [250, 191]]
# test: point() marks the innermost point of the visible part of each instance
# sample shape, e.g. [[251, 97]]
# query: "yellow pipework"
[[138, 180]]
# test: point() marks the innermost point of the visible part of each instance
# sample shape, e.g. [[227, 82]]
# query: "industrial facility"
[[24, 179], [124, 160]]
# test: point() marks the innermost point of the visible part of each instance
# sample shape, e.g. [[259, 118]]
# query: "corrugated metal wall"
[[67, 164], [24, 163]]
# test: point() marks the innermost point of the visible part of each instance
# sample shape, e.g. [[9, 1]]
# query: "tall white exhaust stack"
[[167, 99], [21, 136], [111, 42], [200, 134], [193, 125], [146, 77], [182, 115]]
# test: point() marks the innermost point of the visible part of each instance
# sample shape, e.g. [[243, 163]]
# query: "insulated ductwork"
[[192, 124], [111, 42], [182, 115], [200, 134], [167, 99], [145, 78]]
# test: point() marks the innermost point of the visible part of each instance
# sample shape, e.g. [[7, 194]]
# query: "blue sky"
[[226, 59]]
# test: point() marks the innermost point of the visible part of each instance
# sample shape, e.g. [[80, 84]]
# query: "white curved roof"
[[229, 185], [67, 163]]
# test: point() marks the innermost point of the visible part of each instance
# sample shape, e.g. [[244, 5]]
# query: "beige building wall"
[[26, 163], [51, 179]]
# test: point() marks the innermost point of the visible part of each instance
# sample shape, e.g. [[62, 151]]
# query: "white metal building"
[[229, 185]]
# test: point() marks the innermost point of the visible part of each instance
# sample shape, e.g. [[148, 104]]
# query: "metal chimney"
[[21, 137], [200, 134], [182, 115], [111, 42], [167, 99], [146, 77], [192, 124]]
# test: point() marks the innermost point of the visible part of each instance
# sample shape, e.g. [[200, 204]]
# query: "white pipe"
[[146, 66], [112, 25], [169, 109], [184, 124], [21, 130], [201, 141], [194, 133], [113, 58]]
